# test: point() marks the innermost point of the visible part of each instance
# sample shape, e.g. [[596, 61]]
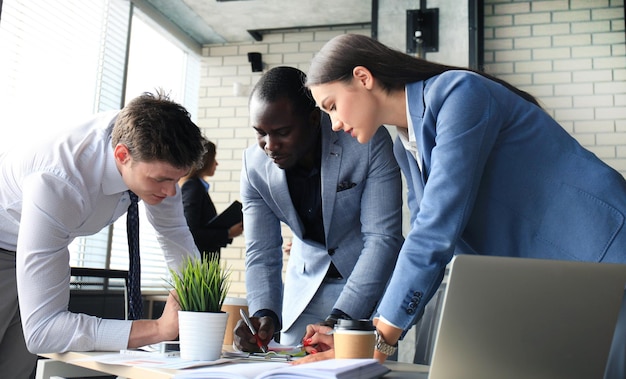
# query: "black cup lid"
[[363, 324]]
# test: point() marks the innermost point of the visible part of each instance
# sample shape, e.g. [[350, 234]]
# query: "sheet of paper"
[[334, 368], [154, 360], [239, 370], [276, 352]]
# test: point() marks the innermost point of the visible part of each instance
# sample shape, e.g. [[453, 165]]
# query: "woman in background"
[[199, 208]]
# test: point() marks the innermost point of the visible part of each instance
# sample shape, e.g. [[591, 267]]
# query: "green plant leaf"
[[202, 284]]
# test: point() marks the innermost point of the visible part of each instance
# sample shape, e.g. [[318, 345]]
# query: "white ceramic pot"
[[201, 335]]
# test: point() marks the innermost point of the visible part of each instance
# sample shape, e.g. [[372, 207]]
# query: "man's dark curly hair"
[[285, 82]]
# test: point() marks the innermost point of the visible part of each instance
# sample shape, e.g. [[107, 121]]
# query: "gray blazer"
[[362, 225]]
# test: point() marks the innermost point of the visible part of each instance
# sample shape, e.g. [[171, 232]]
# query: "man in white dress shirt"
[[74, 185]]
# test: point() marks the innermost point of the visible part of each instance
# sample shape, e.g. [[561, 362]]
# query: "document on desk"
[[153, 360], [276, 352], [328, 369]]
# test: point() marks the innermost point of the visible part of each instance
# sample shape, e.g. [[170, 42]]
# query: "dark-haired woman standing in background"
[[199, 208]]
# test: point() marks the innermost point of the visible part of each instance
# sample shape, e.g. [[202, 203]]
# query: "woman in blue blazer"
[[488, 171]]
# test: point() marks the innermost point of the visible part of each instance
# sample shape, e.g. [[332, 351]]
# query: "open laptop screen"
[[525, 318]]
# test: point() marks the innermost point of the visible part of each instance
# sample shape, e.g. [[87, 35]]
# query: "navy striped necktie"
[[135, 304]]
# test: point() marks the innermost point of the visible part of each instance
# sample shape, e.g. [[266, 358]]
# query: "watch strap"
[[383, 346]]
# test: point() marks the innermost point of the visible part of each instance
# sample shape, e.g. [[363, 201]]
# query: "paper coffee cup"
[[232, 305], [354, 339]]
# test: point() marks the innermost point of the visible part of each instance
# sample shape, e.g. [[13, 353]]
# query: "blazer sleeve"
[[456, 164], [199, 210], [264, 256]]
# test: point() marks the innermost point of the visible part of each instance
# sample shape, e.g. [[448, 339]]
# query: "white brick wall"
[[223, 116], [571, 56]]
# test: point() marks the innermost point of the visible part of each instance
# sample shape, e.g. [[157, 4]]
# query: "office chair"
[[92, 291], [97, 292]]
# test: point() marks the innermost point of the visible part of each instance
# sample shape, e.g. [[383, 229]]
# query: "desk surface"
[[78, 359], [399, 370]]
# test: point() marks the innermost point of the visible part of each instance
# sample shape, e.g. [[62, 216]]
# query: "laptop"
[[526, 318]]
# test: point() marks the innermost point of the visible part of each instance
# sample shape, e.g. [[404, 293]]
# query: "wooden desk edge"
[[406, 367], [79, 359]]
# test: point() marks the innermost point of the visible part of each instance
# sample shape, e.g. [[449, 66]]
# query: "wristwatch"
[[383, 346]]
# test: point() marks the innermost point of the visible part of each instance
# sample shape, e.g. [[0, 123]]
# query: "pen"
[[245, 319], [270, 356]]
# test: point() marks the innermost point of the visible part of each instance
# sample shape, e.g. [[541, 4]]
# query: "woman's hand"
[[318, 343], [235, 230], [389, 333]]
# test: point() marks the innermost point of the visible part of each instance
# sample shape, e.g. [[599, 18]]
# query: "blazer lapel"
[[279, 191], [416, 109], [418, 180]]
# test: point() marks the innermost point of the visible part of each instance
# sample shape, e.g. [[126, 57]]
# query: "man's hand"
[[243, 338], [329, 322], [168, 322], [147, 332], [287, 248]]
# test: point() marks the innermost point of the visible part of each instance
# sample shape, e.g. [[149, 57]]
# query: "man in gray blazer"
[[342, 201]]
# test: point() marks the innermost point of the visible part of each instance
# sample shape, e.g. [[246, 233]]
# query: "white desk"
[[73, 364], [66, 365]]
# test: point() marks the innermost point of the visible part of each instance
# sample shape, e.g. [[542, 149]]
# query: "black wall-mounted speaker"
[[255, 62]]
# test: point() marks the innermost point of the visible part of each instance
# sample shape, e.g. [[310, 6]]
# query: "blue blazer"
[[362, 224], [499, 177]]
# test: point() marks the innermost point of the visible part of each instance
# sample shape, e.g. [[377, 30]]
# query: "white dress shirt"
[[51, 193], [407, 136]]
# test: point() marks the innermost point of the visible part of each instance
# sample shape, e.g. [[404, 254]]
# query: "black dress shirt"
[[305, 189]]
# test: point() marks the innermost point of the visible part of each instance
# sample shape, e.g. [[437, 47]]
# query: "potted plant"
[[201, 287]]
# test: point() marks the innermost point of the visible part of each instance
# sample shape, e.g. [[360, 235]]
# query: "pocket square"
[[345, 185]]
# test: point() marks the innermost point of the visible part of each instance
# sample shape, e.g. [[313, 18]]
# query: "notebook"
[[526, 318], [329, 369], [231, 216]]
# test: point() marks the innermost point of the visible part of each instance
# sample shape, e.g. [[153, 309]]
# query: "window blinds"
[[68, 58]]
